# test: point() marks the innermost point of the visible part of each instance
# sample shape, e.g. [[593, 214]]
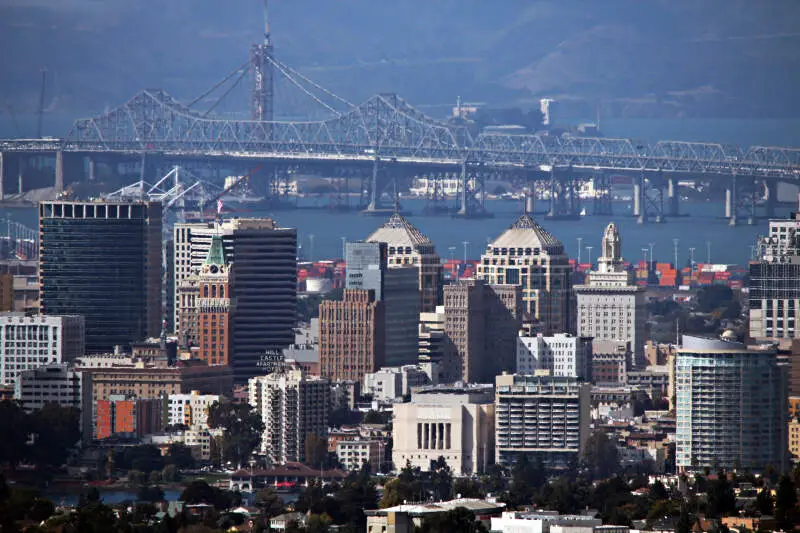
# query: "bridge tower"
[[261, 66]]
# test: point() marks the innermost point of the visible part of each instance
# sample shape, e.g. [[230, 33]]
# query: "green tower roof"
[[216, 252]]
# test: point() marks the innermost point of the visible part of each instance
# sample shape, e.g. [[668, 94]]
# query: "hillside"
[[732, 58]]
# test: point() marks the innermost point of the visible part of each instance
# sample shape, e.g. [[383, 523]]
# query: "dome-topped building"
[[407, 246], [529, 256]]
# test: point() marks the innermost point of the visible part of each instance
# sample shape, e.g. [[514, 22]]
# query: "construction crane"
[[238, 181]]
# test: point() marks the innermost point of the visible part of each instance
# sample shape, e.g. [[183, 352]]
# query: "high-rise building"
[[482, 321], [544, 417], [407, 246], [775, 282], [263, 285], [102, 260], [128, 416], [610, 304], [437, 353], [559, 355], [455, 422], [528, 256], [292, 407], [29, 342], [351, 336], [731, 404], [397, 288], [214, 306]]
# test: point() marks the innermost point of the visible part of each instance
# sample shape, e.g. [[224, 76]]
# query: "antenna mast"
[[261, 67]]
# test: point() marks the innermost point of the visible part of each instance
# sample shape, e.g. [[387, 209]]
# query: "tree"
[[374, 417], [600, 455], [459, 519], [658, 491], [765, 504], [242, 430], [202, 492], [155, 477], [14, 429], [316, 449], [721, 498], [318, 523], [150, 493], [169, 474], [180, 455], [786, 513], [407, 486], [56, 432], [685, 520], [441, 479], [468, 488], [268, 501], [356, 495], [526, 478]]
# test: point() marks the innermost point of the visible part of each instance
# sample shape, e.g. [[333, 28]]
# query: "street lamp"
[[675, 244], [344, 248], [589, 249], [466, 246], [580, 244], [311, 247]]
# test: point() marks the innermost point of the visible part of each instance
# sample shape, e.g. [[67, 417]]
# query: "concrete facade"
[[529, 257], [542, 417], [29, 342], [610, 305], [393, 382], [561, 355], [455, 423], [292, 406]]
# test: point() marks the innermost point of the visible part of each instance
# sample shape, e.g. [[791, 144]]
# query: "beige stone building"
[[528, 256], [482, 322], [407, 246], [456, 423]]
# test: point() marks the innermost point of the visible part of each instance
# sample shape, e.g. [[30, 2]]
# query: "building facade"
[[6, 292], [526, 255], [215, 306], [292, 407], [731, 405], [482, 322], [102, 260], [263, 285], [29, 342], [560, 355], [393, 382], [543, 417], [397, 288], [437, 353], [774, 292], [451, 422], [190, 410], [610, 305], [407, 246], [128, 417], [57, 384], [351, 336], [354, 453]]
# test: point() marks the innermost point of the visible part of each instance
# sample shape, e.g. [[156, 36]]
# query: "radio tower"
[[261, 67]]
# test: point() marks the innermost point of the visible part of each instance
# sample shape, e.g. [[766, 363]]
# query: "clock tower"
[[215, 306]]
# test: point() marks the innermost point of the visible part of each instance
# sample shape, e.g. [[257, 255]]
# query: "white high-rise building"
[[190, 410], [29, 342], [544, 417], [292, 406], [610, 304], [561, 354], [731, 405]]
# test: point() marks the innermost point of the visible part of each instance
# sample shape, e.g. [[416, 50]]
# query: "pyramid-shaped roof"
[[216, 252], [525, 232], [398, 231]]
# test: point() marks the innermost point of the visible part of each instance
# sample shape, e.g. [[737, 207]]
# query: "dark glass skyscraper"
[[102, 260]]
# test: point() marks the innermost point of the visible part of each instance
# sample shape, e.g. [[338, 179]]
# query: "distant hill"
[[729, 58]]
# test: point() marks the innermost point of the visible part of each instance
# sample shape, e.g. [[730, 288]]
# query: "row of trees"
[[44, 438]]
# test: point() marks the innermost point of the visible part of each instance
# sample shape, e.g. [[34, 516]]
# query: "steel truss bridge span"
[[386, 127]]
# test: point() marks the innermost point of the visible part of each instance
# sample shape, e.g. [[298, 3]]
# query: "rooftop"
[[473, 504], [525, 232], [398, 231]]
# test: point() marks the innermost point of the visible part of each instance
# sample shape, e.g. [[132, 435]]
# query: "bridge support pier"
[[640, 200], [91, 163], [772, 198], [463, 210], [373, 193], [2, 176], [731, 201], [59, 186], [672, 197], [602, 202], [20, 169]]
